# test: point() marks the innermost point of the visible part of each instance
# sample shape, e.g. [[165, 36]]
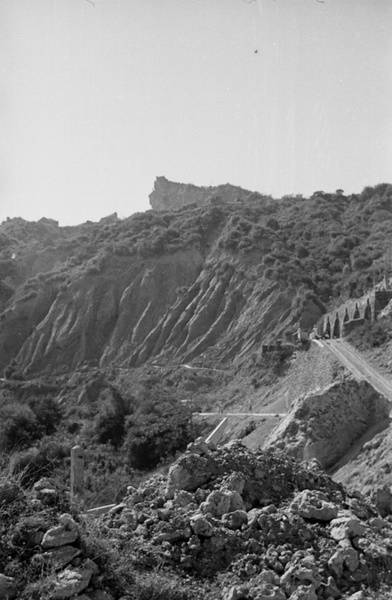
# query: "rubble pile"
[[234, 524], [259, 525]]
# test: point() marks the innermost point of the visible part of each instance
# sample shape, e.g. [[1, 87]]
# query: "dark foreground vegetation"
[[124, 434]]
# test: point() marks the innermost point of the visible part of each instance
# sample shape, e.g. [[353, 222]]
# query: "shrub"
[[159, 428], [109, 422], [34, 463], [48, 413], [160, 586], [18, 427], [371, 335]]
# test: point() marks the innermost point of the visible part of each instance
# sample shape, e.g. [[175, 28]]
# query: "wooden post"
[[77, 473]]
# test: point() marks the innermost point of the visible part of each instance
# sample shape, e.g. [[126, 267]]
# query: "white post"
[[77, 473]]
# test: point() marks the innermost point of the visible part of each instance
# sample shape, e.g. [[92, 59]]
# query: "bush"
[[18, 427], [48, 414], [371, 335], [160, 586], [109, 422], [159, 428], [34, 463]]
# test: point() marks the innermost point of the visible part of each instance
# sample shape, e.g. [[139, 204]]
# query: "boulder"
[[188, 474], [382, 498], [217, 503], [235, 519], [235, 482], [62, 535], [61, 557], [201, 526], [304, 592], [220, 502], [313, 505], [346, 527], [268, 591], [70, 582]]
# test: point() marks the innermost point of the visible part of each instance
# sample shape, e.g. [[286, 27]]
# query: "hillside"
[[213, 281]]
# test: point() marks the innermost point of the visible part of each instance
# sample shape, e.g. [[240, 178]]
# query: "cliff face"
[[173, 308], [213, 280], [98, 317], [168, 195]]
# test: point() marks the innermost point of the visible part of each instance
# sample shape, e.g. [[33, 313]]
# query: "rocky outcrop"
[[168, 195], [326, 423]]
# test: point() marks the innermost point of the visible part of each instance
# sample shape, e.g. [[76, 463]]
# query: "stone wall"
[[353, 313]]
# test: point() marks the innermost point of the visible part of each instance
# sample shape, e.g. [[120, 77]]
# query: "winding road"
[[359, 367]]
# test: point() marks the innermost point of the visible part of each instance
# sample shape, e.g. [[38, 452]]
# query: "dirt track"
[[359, 367]]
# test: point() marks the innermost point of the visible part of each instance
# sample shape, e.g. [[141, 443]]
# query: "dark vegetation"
[[372, 334], [123, 435]]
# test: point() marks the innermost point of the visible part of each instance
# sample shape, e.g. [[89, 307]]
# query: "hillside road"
[[359, 367]]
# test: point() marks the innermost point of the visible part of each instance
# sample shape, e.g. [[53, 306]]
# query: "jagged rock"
[[379, 523], [343, 557], [188, 474], [129, 517], [62, 535], [371, 549], [301, 573], [235, 482], [304, 592], [234, 593], [8, 587], [201, 526], [335, 564], [235, 519], [268, 591], [47, 490], [220, 502], [70, 582], [351, 559], [61, 557], [346, 527], [174, 536], [199, 446], [266, 576], [183, 498], [313, 505], [331, 589], [253, 517], [382, 498]]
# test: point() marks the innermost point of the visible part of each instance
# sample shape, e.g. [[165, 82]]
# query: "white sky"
[[278, 96]]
